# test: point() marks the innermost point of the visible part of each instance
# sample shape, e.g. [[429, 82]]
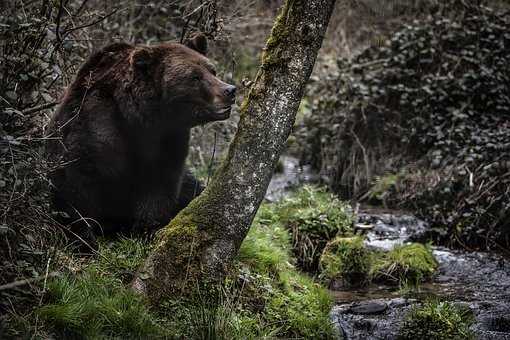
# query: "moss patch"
[[407, 264], [346, 259], [437, 321]]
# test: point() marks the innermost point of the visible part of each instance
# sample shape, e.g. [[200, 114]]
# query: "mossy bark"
[[200, 243]]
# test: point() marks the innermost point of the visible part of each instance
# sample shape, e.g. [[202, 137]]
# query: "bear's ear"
[[141, 58], [197, 42]]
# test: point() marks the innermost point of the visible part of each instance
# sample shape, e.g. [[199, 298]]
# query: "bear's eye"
[[197, 77]]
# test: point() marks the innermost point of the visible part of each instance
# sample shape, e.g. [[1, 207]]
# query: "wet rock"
[[381, 320], [493, 320], [369, 307]]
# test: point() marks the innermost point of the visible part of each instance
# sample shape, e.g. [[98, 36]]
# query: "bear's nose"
[[230, 91]]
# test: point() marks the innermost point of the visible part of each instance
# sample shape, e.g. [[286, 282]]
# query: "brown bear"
[[122, 131]]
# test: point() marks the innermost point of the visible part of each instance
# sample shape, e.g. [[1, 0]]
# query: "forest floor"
[[477, 280]]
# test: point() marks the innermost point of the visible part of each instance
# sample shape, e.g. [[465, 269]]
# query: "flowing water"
[[478, 280]]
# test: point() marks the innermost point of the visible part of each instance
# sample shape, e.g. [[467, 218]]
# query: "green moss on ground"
[[263, 296], [346, 259], [437, 321], [123, 257], [291, 304]]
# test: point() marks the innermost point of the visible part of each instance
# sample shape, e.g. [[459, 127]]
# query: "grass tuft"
[[314, 217], [437, 321], [94, 305], [347, 259], [123, 257], [406, 264]]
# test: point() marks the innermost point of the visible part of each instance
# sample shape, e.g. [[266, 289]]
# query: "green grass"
[[346, 259], [122, 258], [264, 296], [266, 248], [94, 305], [301, 308], [290, 304], [436, 320]]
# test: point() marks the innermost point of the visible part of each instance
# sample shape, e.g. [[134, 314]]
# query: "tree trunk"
[[200, 243]]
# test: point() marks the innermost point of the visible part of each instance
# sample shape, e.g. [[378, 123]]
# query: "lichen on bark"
[[199, 244]]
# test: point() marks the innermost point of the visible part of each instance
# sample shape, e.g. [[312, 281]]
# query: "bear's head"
[[180, 83]]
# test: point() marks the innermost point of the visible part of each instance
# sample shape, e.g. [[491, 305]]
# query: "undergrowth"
[[264, 296], [421, 123]]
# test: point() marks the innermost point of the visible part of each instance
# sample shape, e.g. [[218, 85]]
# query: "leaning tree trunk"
[[201, 242]]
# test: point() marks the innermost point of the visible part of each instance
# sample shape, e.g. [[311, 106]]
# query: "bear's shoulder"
[[110, 57]]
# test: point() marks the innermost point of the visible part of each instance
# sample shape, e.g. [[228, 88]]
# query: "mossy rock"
[[437, 321], [314, 217], [406, 264], [347, 260]]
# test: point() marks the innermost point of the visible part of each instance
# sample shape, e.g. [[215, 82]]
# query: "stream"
[[478, 280]]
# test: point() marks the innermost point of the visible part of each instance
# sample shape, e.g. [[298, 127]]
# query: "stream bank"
[[477, 280]]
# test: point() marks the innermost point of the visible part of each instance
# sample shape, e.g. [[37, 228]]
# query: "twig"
[[67, 32], [59, 19], [39, 108], [45, 279], [211, 162], [27, 281]]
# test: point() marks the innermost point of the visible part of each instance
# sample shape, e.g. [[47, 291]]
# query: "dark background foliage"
[[430, 108]]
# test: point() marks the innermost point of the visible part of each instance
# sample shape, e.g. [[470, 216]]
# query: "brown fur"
[[124, 126]]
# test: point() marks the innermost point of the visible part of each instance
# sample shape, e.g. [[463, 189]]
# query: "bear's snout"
[[230, 92]]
